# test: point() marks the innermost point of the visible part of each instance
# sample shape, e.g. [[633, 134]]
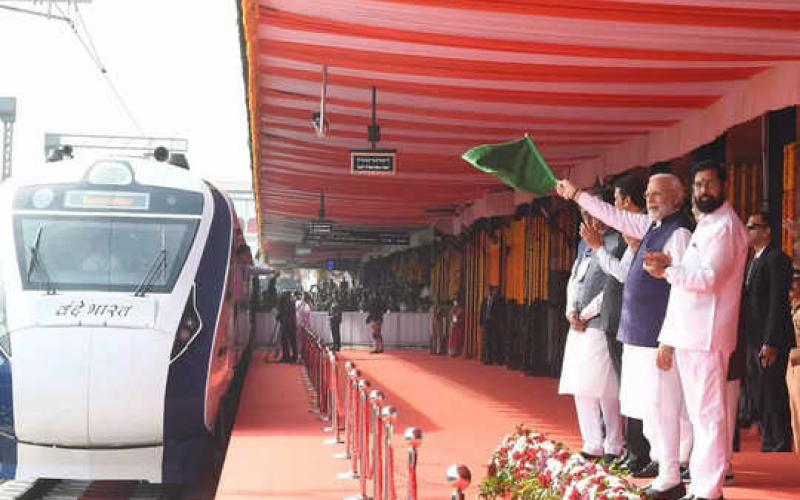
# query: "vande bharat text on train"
[[123, 320]]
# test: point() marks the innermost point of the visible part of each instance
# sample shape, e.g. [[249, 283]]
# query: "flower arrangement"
[[528, 466]]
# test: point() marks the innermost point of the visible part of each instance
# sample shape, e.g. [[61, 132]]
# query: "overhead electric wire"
[[34, 13], [88, 45]]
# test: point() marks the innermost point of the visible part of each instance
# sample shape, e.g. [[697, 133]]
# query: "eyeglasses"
[[755, 226]]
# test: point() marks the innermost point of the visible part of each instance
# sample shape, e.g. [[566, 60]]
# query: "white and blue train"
[[123, 319]]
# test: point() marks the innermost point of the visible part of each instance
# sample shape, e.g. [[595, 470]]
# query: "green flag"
[[519, 164]]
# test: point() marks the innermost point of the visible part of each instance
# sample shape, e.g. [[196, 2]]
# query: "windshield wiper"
[[158, 267], [37, 263]]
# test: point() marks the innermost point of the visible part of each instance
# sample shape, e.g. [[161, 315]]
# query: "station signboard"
[[373, 161], [363, 237], [319, 228]]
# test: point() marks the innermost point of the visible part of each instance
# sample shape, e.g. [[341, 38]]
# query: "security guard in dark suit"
[[769, 334]]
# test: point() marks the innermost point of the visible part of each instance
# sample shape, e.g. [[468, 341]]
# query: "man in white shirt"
[[587, 372], [303, 311], [700, 326]]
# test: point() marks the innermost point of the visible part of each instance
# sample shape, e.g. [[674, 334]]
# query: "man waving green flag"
[[519, 164]]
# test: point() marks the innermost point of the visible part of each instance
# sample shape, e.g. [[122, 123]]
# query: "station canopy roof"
[[600, 85]]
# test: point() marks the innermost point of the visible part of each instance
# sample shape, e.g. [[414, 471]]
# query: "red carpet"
[[463, 407]]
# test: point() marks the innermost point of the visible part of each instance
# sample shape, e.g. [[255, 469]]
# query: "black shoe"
[[675, 493], [634, 466], [612, 460], [649, 470], [590, 457]]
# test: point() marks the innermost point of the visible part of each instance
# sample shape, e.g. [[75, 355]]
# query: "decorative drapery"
[[601, 86], [791, 162]]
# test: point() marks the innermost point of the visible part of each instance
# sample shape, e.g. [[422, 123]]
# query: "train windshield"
[[101, 253]]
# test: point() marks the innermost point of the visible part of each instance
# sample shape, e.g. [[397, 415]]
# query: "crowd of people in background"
[[293, 308]]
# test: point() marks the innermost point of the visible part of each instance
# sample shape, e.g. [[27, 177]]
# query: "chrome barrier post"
[[324, 401], [333, 399], [413, 437], [349, 411], [363, 436], [355, 429], [362, 440], [376, 399], [310, 361], [389, 417], [459, 477]]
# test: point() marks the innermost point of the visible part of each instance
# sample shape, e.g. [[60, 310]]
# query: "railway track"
[[52, 489]]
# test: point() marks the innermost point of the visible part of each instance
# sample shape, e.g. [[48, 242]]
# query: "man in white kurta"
[[700, 326], [587, 372]]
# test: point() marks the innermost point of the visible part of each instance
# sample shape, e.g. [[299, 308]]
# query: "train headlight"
[[188, 328], [110, 172], [42, 198]]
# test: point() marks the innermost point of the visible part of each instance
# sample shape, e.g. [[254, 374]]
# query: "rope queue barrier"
[[368, 426], [413, 437]]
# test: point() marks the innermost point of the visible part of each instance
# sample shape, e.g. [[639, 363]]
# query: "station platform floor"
[[464, 408]]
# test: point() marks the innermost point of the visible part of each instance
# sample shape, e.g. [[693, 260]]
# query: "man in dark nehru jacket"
[[769, 333]]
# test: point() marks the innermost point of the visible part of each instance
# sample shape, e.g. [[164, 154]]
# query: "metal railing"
[[368, 425]]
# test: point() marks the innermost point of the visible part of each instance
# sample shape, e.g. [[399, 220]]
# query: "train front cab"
[[107, 372]]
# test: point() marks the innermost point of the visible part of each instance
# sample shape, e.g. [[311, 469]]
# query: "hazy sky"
[[177, 64]]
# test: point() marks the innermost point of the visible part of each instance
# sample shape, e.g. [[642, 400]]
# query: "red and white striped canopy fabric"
[[600, 85]]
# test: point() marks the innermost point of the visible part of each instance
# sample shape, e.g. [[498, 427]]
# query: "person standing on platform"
[[335, 321], [615, 262], [375, 310], [288, 324], [700, 327], [770, 335], [793, 372], [436, 328], [645, 391], [304, 309], [490, 321], [587, 372], [456, 343]]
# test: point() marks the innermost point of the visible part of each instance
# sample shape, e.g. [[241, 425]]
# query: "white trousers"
[[592, 414], [668, 429], [732, 389], [685, 438], [702, 375]]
